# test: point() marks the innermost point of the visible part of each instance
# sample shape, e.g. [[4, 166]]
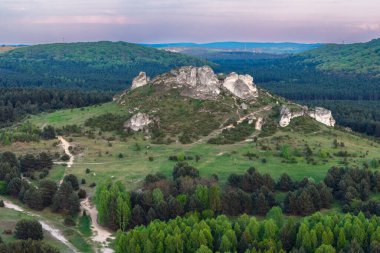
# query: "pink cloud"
[[374, 27], [93, 19]]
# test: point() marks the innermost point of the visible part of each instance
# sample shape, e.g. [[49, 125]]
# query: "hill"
[[342, 78], [220, 47], [257, 47], [360, 58], [108, 66], [196, 144]]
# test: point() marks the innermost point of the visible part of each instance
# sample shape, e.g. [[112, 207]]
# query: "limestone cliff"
[[320, 114]]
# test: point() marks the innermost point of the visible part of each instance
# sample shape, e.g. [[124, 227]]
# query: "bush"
[[82, 194], [83, 181], [92, 185], [88, 171], [69, 221], [73, 180], [28, 229], [65, 158], [2, 203]]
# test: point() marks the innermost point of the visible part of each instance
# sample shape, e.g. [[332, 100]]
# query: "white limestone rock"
[[138, 122], [322, 115], [140, 80], [241, 86], [195, 82]]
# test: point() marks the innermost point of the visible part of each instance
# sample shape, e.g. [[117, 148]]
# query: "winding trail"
[[240, 120], [45, 225], [100, 234]]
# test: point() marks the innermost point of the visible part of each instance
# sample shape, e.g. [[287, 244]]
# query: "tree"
[[202, 197], [203, 249], [157, 196], [48, 133], [14, 186], [48, 188], [305, 203], [183, 169], [33, 198], [276, 214], [214, 198], [73, 180], [325, 249], [28, 229], [285, 183]]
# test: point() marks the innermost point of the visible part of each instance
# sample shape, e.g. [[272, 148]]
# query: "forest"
[[16, 103], [105, 66], [189, 213]]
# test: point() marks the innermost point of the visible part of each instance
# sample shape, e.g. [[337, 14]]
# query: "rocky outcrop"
[[201, 83], [195, 82], [140, 80], [286, 115], [320, 114], [241, 86], [138, 122]]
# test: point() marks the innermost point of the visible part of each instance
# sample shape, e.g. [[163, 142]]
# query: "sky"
[[163, 21]]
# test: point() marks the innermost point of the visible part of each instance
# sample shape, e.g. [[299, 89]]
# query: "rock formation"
[[201, 83], [241, 86], [140, 80], [195, 82], [320, 114], [138, 122]]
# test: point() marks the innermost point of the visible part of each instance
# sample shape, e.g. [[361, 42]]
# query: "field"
[[8, 220], [131, 160], [6, 48], [74, 116]]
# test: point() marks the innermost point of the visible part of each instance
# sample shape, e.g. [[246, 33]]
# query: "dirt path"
[[65, 145], [240, 120], [45, 225], [101, 234]]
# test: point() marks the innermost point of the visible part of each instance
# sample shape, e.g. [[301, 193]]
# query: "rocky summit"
[[202, 83]]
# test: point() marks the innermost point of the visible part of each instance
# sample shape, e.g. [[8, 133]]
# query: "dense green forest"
[[189, 213], [16, 103], [358, 58], [108, 66]]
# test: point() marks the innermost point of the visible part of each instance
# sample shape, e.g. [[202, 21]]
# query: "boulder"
[[138, 122], [140, 80], [241, 86]]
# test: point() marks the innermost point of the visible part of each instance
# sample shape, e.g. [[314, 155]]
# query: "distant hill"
[[362, 58], [256, 47], [97, 65]]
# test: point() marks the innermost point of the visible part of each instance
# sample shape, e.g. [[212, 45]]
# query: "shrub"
[[69, 221], [2, 203], [28, 229], [82, 194], [88, 171]]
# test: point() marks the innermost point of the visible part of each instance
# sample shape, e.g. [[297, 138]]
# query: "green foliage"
[[21, 246], [28, 229], [87, 66], [113, 204], [235, 134]]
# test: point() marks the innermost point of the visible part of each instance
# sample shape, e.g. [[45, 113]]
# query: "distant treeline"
[[106, 66], [15, 103]]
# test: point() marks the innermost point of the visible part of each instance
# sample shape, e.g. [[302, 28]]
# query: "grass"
[[74, 116], [84, 225], [8, 220]]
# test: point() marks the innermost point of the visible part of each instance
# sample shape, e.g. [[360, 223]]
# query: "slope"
[[96, 65]]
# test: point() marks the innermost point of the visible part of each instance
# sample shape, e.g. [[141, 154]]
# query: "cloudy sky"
[[156, 21]]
